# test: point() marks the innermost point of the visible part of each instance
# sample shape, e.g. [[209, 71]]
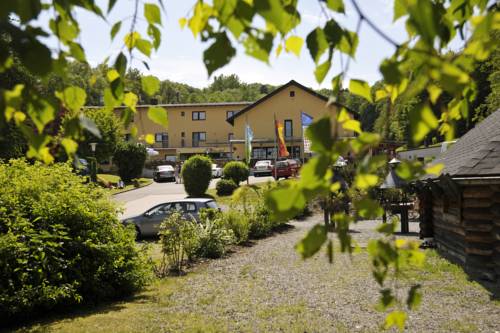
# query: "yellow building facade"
[[218, 129]]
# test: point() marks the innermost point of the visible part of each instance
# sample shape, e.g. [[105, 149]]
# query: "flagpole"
[[275, 148]]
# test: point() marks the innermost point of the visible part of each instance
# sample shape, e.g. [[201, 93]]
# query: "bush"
[[225, 187], [130, 158], [61, 242], [236, 171], [178, 236], [213, 235], [196, 175], [239, 224], [260, 221]]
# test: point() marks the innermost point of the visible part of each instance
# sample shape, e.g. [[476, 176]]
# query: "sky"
[[180, 57]]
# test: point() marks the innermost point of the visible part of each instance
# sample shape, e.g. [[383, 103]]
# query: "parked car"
[[216, 171], [148, 223], [285, 169], [81, 166], [164, 172], [264, 167]]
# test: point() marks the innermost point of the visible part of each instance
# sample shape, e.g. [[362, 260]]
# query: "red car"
[[285, 169]]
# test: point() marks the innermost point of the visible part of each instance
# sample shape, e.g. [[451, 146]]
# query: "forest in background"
[[392, 122]]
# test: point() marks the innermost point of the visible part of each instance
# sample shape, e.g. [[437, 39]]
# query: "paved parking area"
[[138, 201]]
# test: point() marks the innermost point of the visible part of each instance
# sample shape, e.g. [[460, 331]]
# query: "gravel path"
[[267, 287]]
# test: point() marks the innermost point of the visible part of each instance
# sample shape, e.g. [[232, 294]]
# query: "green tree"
[[130, 158], [111, 134]]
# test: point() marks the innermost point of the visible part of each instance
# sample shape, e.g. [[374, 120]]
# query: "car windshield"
[[165, 168], [281, 164], [212, 204], [262, 163], [214, 166]]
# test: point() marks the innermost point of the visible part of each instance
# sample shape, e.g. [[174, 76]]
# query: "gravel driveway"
[[267, 287]]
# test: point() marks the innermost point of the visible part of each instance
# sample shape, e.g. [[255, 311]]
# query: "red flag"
[[282, 151]]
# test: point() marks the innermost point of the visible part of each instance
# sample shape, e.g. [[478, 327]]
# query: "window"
[[182, 113], [183, 143], [162, 138], [199, 137], [183, 134], [199, 115], [229, 114], [288, 128], [190, 207], [230, 137], [292, 93]]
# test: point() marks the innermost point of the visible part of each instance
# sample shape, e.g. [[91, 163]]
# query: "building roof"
[[182, 105], [477, 153], [274, 92]]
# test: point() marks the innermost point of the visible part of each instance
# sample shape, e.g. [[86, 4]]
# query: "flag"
[[306, 121], [248, 144], [280, 137]]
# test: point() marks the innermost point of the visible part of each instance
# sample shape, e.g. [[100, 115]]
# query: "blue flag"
[[306, 119]]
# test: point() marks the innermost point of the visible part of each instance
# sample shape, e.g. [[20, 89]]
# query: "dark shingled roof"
[[477, 153]]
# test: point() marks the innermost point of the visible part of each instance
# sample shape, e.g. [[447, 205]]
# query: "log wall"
[[467, 229]]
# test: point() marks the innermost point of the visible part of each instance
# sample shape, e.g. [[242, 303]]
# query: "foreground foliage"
[[61, 242]]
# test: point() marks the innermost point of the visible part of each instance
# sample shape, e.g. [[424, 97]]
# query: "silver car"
[[164, 172], [263, 168], [148, 223]]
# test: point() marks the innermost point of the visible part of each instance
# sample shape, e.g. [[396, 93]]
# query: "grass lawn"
[[268, 288], [113, 179]]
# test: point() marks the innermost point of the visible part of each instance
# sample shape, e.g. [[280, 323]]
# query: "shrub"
[[260, 221], [239, 224], [61, 242], [213, 235], [236, 171], [130, 158], [225, 187], [178, 236], [196, 174]]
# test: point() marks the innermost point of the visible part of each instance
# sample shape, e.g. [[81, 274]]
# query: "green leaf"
[[121, 64], [368, 208], [182, 22], [395, 318], [73, 98], [321, 71], [219, 53], [348, 43], [408, 170], [149, 138], [399, 9], [352, 125], [144, 46], [313, 241], [313, 175], [130, 99], [294, 44], [361, 88], [155, 35], [316, 43], [319, 132], [364, 181], [414, 297], [77, 52], [336, 5], [434, 93], [111, 4], [131, 39], [259, 48], [386, 300], [41, 114], [152, 13], [158, 115], [422, 121], [150, 84], [284, 18], [285, 202], [109, 100], [114, 30], [70, 146], [391, 72]]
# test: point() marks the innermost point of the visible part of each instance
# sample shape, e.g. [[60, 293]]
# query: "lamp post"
[[93, 164]]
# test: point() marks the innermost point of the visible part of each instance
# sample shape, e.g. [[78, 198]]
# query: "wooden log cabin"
[[460, 209]]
